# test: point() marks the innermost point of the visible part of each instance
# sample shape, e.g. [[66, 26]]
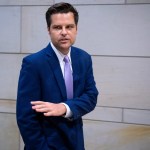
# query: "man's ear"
[[76, 28], [48, 28]]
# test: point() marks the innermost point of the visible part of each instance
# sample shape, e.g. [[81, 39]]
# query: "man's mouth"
[[64, 40]]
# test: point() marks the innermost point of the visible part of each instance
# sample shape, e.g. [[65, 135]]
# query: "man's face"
[[63, 31]]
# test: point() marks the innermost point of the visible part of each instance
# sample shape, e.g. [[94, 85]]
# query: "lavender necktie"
[[68, 78]]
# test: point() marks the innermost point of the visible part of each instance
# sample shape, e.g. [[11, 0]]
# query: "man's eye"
[[70, 27], [57, 27]]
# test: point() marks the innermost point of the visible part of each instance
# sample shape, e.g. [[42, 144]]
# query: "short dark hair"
[[61, 8]]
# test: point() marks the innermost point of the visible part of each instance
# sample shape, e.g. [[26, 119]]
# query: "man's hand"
[[49, 109]]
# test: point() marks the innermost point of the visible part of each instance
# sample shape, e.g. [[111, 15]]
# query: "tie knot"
[[66, 59]]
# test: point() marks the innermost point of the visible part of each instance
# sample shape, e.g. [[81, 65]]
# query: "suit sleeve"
[[28, 120], [87, 100]]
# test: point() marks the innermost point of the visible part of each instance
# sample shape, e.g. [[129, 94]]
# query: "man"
[[49, 109]]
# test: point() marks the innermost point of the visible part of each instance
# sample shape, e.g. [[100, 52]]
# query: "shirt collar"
[[60, 55]]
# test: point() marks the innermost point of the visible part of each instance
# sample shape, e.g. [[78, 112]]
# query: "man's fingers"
[[38, 106], [42, 110], [48, 114], [37, 102], [49, 109]]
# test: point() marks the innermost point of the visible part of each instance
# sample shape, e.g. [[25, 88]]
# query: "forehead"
[[60, 18]]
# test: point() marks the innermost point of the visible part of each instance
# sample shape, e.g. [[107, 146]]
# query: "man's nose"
[[64, 31]]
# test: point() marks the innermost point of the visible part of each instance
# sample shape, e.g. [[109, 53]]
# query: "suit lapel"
[[54, 64], [75, 67]]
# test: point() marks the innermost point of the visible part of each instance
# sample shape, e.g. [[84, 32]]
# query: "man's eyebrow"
[[63, 25]]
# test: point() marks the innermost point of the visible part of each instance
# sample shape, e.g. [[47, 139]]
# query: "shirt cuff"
[[68, 112]]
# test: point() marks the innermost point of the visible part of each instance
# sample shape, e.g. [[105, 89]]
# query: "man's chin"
[[65, 46], [64, 49]]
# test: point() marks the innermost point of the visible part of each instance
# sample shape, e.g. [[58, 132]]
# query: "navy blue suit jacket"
[[41, 79]]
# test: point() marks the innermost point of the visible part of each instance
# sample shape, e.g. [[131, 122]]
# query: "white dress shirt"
[[60, 57]]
